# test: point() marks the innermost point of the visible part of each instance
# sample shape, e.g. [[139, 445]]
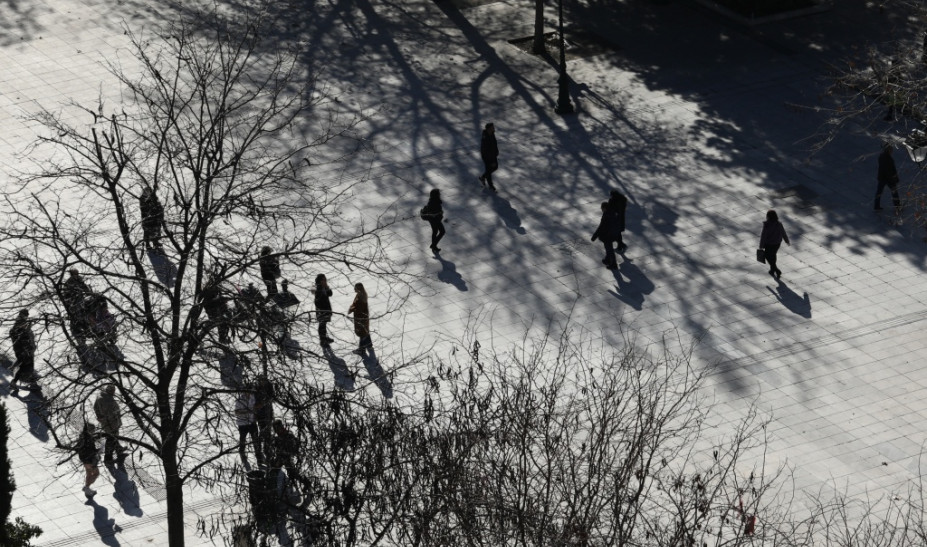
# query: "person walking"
[[264, 394], [608, 227], [618, 203], [887, 176], [152, 218], [247, 425], [23, 349], [434, 214], [110, 417], [323, 308], [361, 314], [489, 151], [270, 270], [87, 454], [75, 295], [770, 239], [286, 449]]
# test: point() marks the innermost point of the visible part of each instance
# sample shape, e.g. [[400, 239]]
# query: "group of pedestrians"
[[274, 446]]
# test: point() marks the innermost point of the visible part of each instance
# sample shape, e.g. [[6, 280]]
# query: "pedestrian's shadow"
[[450, 275], [37, 410], [126, 492], [164, 269], [99, 362], [376, 374], [290, 347], [633, 290], [105, 526], [343, 377], [507, 213], [799, 305]]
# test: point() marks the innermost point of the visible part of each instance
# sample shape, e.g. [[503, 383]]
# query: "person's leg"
[[441, 232], [109, 445], [271, 285], [610, 261], [256, 440], [771, 251], [878, 196], [896, 199]]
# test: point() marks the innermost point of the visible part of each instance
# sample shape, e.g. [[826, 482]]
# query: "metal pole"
[[564, 106]]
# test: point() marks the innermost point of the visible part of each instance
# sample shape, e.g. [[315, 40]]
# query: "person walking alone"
[[23, 349], [87, 454], [270, 271], [489, 151], [323, 309], [361, 319], [770, 239], [110, 417], [887, 176], [608, 227], [152, 218], [434, 214]]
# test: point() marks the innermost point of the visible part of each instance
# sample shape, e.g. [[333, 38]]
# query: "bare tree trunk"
[[173, 486]]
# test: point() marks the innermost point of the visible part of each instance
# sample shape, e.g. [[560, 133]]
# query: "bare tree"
[[222, 133], [560, 443]]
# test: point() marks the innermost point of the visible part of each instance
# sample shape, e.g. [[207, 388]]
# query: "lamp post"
[[564, 106]]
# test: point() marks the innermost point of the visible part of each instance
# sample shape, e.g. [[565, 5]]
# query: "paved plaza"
[[704, 124]]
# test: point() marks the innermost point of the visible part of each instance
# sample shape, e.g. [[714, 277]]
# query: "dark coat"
[[87, 447], [73, 294], [888, 173], [152, 211], [489, 150], [214, 302], [361, 315], [22, 337], [773, 234], [608, 227], [433, 210], [619, 204], [323, 305], [270, 267], [108, 414]]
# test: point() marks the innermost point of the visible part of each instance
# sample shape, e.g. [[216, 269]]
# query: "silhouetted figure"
[[361, 319], [270, 270], [618, 203], [887, 176], [246, 421], [24, 348], [323, 308], [606, 231], [770, 239], [264, 394], [75, 295], [215, 304], [109, 415], [433, 212], [489, 151], [286, 448], [87, 454], [152, 218]]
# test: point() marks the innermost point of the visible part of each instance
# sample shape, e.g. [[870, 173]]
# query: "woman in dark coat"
[[770, 239], [361, 319], [323, 308], [606, 231], [618, 203], [152, 217], [87, 454], [434, 214]]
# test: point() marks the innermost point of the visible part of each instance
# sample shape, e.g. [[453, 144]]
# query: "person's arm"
[[785, 236]]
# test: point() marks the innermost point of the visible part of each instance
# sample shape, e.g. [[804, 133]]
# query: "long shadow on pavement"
[[126, 492], [799, 305]]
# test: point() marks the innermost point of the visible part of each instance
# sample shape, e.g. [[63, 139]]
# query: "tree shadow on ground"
[[376, 374], [105, 526], [125, 490], [799, 305], [343, 377]]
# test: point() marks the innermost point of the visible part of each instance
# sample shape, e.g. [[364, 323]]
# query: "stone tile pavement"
[[704, 132]]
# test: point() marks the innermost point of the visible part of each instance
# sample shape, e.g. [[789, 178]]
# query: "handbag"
[[761, 256]]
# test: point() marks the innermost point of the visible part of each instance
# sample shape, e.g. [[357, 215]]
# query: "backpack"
[[424, 213]]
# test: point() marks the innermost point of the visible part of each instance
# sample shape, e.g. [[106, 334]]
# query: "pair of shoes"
[[89, 492], [612, 266], [778, 274]]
